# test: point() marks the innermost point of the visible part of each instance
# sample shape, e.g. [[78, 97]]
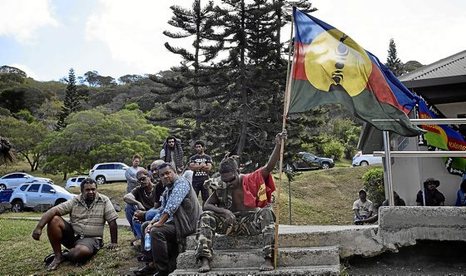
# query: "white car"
[[108, 172], [15, 179], [30, 195], [75, 181], [366, 159]]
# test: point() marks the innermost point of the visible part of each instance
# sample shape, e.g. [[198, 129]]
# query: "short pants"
[[71, 239]]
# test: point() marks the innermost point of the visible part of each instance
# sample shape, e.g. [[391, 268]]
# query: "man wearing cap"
[[363, 208], [433, 196]]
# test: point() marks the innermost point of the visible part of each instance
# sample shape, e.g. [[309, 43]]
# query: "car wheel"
[[59, 201], [364, 163], [100, 179], [17, 205], [325, 165], [2, 187]]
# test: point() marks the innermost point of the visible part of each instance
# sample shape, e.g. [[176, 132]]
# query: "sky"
[[45, 38]]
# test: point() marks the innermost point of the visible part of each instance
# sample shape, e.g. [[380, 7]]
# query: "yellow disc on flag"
[[334, 58]]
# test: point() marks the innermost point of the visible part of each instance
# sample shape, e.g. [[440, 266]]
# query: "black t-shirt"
[[148, 200], [200, 176]]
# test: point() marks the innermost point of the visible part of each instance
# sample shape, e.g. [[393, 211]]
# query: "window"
[[118, 166], [105, 167], [24, 187], [34, 188], [80, 179], [15, 175], [47, 189]]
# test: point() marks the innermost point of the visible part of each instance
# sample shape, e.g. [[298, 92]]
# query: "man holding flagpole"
[[240, 206]]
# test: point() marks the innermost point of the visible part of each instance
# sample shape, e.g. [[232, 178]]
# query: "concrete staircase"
[[243, 256]]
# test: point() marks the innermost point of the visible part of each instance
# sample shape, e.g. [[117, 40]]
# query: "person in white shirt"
[[363, 208]]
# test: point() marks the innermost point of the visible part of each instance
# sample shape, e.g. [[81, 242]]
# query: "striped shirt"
[[88, 221]]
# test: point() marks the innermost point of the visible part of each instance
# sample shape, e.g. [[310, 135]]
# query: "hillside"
[[322, 197]]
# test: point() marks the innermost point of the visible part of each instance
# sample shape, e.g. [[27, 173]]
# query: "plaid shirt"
[[88, 221]]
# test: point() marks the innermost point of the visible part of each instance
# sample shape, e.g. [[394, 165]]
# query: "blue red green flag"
[[445, 138], [329, 67]]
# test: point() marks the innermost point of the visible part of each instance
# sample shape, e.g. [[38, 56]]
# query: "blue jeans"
[[129, 212], [136, 225]]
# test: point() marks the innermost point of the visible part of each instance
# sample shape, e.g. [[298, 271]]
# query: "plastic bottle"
[[147, 239]]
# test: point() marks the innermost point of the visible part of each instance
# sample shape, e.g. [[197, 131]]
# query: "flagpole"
[[282, 145]]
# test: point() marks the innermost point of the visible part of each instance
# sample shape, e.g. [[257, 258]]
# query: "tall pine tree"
[[393, 62], [71, 103]]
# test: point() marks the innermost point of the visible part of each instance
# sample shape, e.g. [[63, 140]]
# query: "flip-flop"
[[49, 258]]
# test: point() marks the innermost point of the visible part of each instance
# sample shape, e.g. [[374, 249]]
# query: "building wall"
[[410, 173]]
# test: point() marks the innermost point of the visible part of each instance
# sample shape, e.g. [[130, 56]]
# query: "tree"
[[71, 103], [95, 80], [25, 137], [393, 62], [92, 136], [11, 76], [197, 24], [411, 66]]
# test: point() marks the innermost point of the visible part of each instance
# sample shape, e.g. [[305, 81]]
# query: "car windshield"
[[59, 189]]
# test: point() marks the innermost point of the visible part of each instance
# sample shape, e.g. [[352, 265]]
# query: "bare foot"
[[267, 265], [55, 263], [205, 265]]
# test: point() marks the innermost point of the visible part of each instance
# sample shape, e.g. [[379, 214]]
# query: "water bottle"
[[147, 245]]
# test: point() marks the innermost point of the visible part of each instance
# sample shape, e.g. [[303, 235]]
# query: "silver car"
[[15, 179], [30, 195]]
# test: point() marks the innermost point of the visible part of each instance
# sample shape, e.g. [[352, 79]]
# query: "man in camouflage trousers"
[[240, 205]]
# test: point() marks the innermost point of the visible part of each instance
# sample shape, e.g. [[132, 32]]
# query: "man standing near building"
[[201, 165], [83, 234], [172, 152]]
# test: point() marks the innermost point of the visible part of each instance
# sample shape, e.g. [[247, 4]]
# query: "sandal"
[[49, 258]]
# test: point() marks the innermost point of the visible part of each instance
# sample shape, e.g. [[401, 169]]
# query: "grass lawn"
[[321, 197], [21, 255]]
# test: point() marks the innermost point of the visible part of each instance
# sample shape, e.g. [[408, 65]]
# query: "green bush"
[[374, 185], [334, 148]]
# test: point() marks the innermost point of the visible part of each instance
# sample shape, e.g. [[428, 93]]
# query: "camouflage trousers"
[[247, 224]]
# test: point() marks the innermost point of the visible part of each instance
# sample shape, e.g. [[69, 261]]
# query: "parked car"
[[366, 159], [108, 172], [30, 195], [75, 181], [308, 161], [13, 180]]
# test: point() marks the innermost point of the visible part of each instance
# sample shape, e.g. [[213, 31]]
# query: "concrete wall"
[[400, 226]]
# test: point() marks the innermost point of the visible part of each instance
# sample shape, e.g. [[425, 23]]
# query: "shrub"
[[374, 185], [334, 148]]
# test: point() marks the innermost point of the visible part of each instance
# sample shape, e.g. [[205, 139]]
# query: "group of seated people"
[[239, 206], [365, 211]]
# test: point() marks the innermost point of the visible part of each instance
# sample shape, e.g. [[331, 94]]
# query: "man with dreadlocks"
[[172, 152], [240, 206]]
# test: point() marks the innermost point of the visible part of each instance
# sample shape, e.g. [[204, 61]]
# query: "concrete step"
[[280, 271], [288, 257], [350, 239], [299, 239]]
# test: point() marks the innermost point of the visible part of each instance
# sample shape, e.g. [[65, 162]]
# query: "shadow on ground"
[[424, 258]]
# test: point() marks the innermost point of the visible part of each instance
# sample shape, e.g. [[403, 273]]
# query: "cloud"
[[132, 31], [21, 19], [26, 69]]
